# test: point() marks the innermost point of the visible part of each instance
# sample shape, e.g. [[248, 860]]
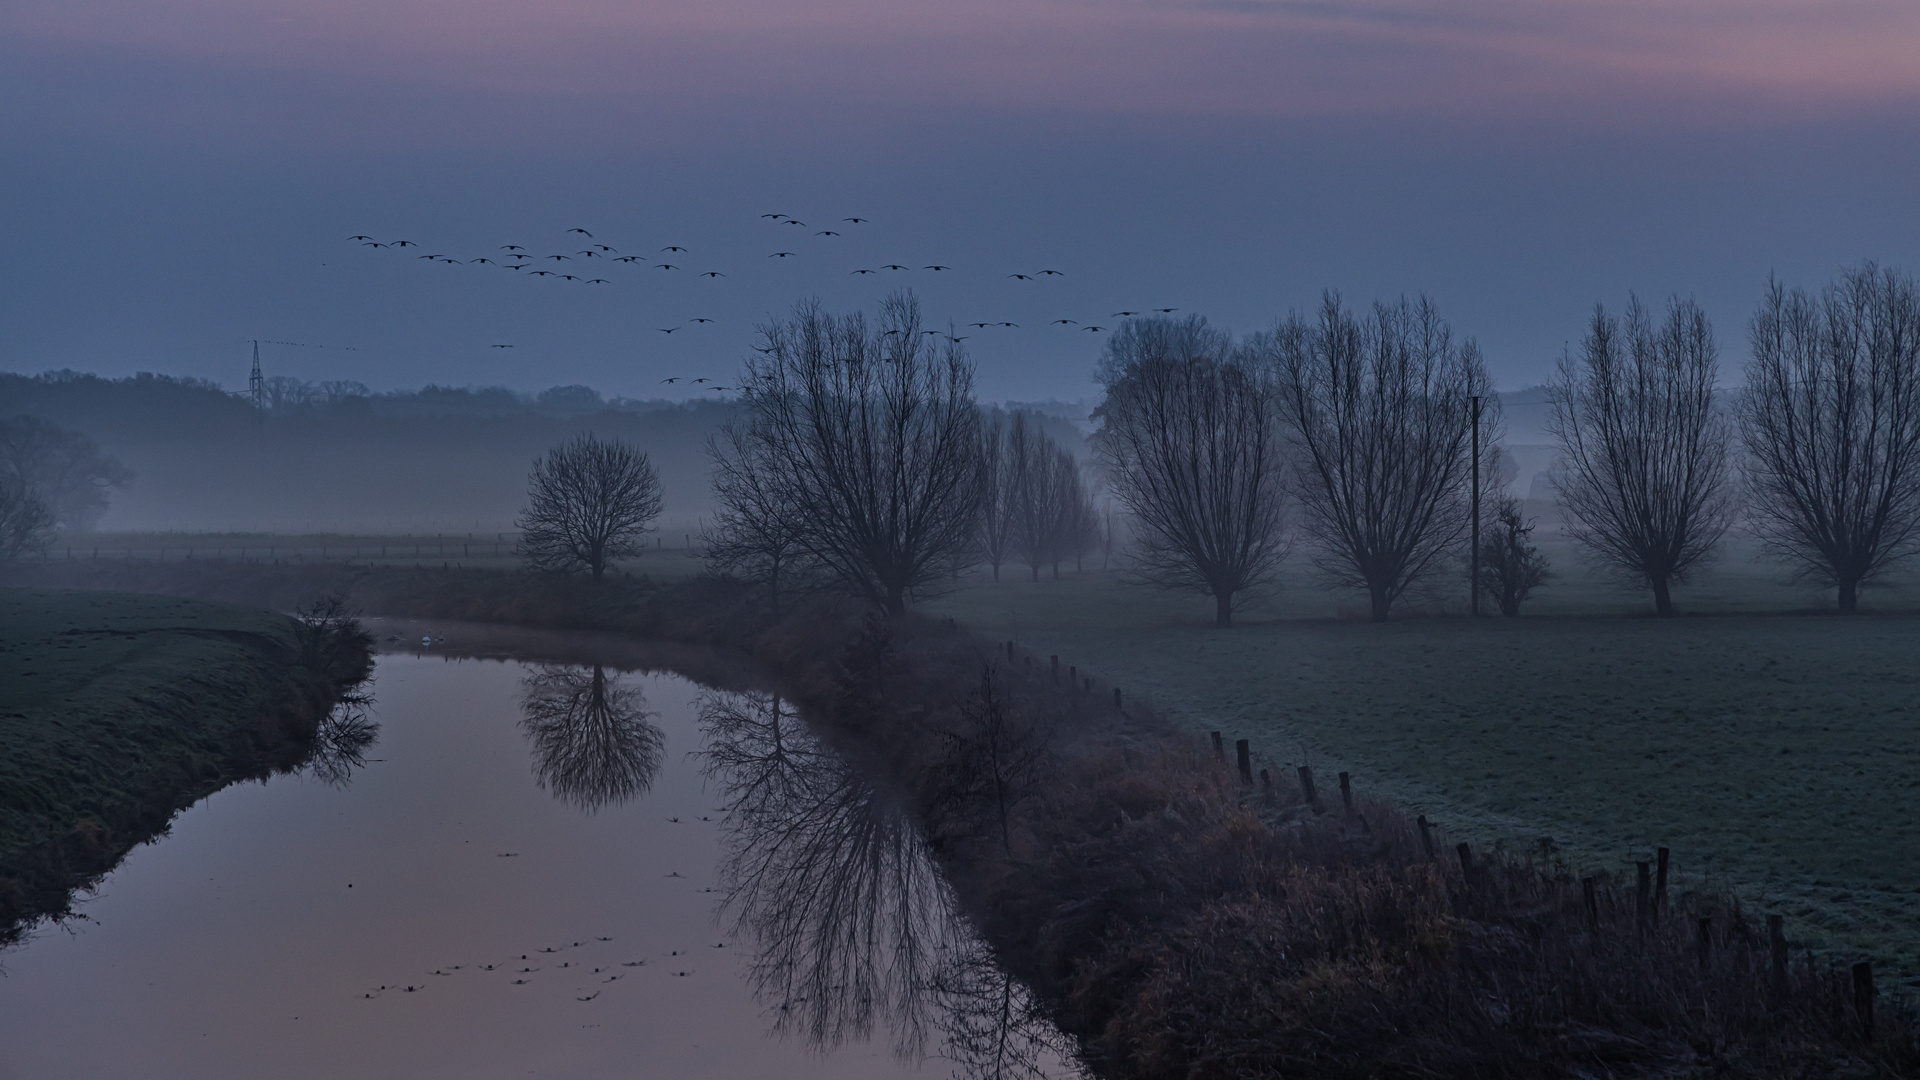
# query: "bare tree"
[[26, 525], [996, 495], [1050, 514], [68, 473], [589, 501], [1190, 441], [1644, 450], [594, 742], [1831, 426], [1380, 412], [1511, 567], [870, 434], [756, 531]]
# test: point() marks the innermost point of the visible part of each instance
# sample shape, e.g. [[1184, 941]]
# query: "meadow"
[[1770, 745]]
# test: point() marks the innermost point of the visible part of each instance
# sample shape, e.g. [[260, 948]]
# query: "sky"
[[180, 178]]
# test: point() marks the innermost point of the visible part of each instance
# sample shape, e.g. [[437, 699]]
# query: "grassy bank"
[[117, 711], [1773, 752]]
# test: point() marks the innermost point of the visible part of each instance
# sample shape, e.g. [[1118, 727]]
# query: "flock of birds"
[[594, 254], [530, 963]]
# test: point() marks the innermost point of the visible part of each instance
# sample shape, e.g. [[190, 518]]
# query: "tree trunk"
[[1662, 597], [897, 602], [996, 573], [1223, 609], [1381, 603], [1849, 597]]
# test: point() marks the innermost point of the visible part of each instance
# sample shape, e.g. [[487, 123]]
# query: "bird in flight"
[[673, 247], [935, 333], [1022, 277], [667, 329], [719, 387], [426, 257], [1093, 329], [403, 243], [588, 254], [675, 379], [558, 257], [597, 281], [628, 258], [511, 247], [1166, 310], [893, 266], [1124, 314], [780, 255], [794, 221], [1062, 322], [863, 271], [713, 273], [359, 237], [775, 217], [541, 273], [449, 262], [936, 268], [700, 380], [1012, 324], [856, 220], [503, 346], [582, 232], [1054, 273], [568, 277], [604, 247], [665, 266], [978, 325], [373, 245], [826, 232], [703, 320], [488, 262]]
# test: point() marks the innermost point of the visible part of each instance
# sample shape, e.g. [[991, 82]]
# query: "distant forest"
[[338, 457]]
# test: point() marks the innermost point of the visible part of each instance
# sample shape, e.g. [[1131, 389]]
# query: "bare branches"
[[1643, 448], [26, 524], [589, 501], [1049, 513], [62, 471], [1511, 567], [872, 440], [756, 530], [1189, 437], [1831, 427], [594, 743], [1381, 418]]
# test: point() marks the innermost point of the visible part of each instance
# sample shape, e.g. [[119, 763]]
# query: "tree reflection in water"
[[594, 743], [341, 742], [850, 918]]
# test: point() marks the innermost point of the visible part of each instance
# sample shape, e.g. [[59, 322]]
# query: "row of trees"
[[861, 459], [1821, 451]]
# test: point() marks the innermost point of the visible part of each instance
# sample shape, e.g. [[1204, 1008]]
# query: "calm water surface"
[[545, 868]]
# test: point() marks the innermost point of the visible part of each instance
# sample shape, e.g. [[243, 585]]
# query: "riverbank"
[[117, 711], [1179, 923]]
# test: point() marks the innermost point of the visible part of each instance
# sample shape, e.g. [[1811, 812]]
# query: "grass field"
[[1777, 754], [669, 560]]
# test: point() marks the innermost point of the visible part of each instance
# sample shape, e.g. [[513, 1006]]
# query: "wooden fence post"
[[1426, 835], [1590, 892], [1306, 785], [1863, 996], [1346, 792], [1054, 662], [1243, 752], [1116, 699], [1219, 749], [1466, 861]]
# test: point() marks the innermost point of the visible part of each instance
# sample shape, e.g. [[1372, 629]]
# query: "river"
[[559, 859]]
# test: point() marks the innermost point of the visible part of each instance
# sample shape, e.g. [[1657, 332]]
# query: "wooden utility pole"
[[1473, 584]]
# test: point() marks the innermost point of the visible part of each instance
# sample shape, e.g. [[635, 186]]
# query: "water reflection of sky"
[[247, 942]]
